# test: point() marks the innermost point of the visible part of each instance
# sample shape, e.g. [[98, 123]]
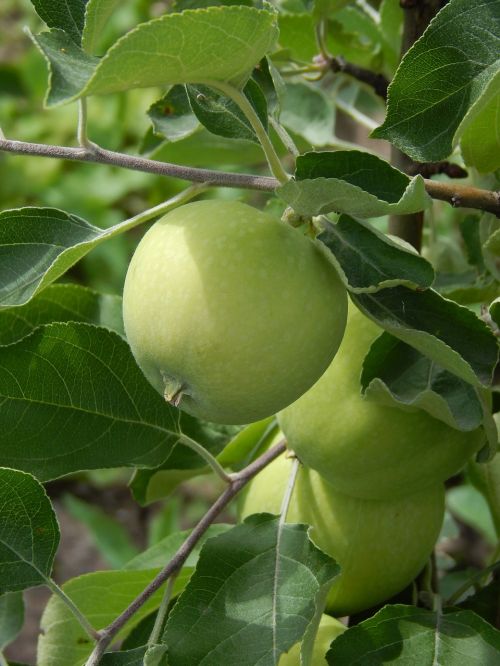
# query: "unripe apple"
[[329, 628], [380, 545], [363, 448], [231, 314]]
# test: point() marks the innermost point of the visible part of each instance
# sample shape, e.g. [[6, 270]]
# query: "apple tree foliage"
[[225, 92]]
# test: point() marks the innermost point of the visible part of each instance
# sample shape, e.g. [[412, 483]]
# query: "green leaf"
[[260, 582], [353, 182], [101, 596], [70, 68], [396, 374], [68, 15], [92, 389], [440, 79], [485, 477], [97, 13], [396, 634], [489, 233], [195, 46], [133, 657], [298, 37], [486, 602], [309, 113], [469, 228], [325, 8], [111, 539], [203, 149], [448, 333], [156, 655], [11, 617], [391, 23], [29, 534], [494, 310], [61, 303], [158, 555], [221, 116], [468, 504], [272, 85], [37, 245], [182, 5], [140, 634], [367, 260], [480, 142], [172, 116]]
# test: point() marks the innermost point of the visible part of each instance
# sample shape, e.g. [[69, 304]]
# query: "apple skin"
[[380, 545], [329, 628], [363, 448], [239, 311]]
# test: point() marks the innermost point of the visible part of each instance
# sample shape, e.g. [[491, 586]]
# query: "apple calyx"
[[173, 391]]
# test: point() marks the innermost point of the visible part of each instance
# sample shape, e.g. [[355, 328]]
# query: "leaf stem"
[[81, 133], [281, 523], [166, 206], [3, 660], [289, 490], [284, 137], [154, 639], [242, 101], [207, 457], [356, 115], [238, 481], [58, 591]]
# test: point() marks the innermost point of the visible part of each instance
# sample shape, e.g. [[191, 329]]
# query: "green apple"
[[329, 628], [380, 545], [361, 447], [231, 314]]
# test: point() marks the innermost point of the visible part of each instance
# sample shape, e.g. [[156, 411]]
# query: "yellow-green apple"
[[364, 448], [380, 545], [231, 314], [329, 628]]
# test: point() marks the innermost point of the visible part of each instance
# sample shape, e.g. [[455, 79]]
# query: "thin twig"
[[378, 82], [456, 195], [103, 156], [415, 21], [428, 169], [238, 481], [463, 196]]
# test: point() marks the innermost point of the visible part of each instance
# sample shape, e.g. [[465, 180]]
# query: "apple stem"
[[207, 457]]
